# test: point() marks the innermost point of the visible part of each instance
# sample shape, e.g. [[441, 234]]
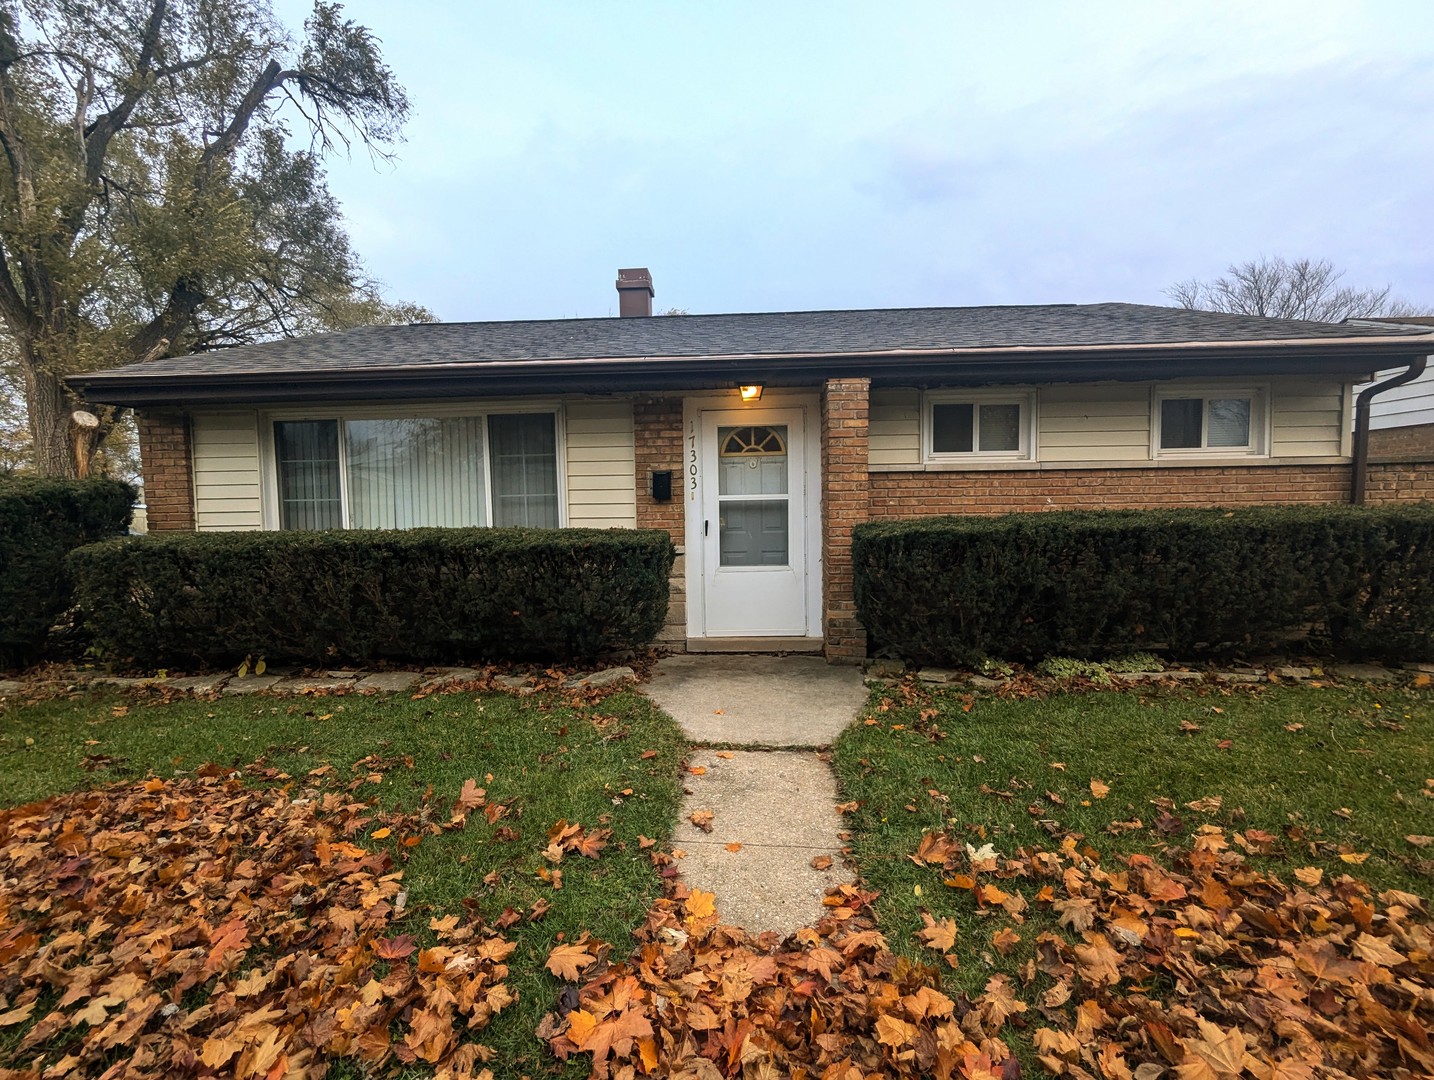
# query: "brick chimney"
[[634, 293]]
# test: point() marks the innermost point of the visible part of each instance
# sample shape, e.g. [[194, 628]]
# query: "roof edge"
[[1390, 343]]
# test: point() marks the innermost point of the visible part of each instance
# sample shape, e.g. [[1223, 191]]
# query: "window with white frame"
[[974, 426], [1217, 421], [405, 472]]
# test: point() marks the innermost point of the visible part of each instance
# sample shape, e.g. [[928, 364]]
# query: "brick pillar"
[[845, 504], [657, 444], [167, 464]]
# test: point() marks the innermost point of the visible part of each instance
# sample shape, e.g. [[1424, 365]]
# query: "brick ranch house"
[[759, 440]]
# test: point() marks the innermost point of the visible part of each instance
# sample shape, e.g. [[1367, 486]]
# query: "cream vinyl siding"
[[227, 488], [1110, 422], [1101, 422], [601, 465], [1307, 418], [894, 434]]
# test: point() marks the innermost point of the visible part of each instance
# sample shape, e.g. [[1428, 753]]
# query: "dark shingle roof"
[[802, 333]]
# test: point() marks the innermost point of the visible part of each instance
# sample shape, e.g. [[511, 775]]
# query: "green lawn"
[[554, 761], [1327, 770]]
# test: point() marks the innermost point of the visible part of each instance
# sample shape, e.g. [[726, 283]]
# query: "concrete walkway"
[[744, 700], [772, 811], [777, 809]]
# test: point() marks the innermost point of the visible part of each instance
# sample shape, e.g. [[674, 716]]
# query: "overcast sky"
[[784, 155]]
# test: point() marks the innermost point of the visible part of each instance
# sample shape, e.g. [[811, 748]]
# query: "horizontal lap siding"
[[1412, 403], [1093, 423], [1307, 418], [227, 489], [894, 435], [1110, 422], [601, 467]]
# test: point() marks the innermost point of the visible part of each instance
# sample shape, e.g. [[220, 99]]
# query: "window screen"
[[953, 428], [1000, 427], [1180, 423]]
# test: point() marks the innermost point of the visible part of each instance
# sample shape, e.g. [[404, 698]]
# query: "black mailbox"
[[662, 485]]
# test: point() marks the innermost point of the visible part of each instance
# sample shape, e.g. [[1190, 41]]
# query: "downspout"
[[1360, 478]]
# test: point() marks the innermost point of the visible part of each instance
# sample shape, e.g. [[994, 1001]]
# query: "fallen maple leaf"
[[567, 961], [1099, 789], [934, 849], [734, 847], [702, 819], [821, 862], [1217, 1052], [395, 948], [700, 905], [588, 845], [471, 796], [894, 1032], [938, 934]]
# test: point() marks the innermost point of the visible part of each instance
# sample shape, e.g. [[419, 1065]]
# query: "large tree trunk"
[[49, 408]]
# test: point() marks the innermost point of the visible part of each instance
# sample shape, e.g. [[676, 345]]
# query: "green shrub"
[[1090, 583], [42, 521], [421, 595]]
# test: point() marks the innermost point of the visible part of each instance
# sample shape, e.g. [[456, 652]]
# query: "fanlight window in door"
[[752, 496]]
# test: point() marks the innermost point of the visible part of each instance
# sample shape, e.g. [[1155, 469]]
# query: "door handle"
[[704, 527]]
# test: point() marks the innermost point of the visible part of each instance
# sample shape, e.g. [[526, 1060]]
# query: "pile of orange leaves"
[[698, 1000], [199, 927], [1202, 968]]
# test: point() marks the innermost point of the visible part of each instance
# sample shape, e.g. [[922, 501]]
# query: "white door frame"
[[691, 487]]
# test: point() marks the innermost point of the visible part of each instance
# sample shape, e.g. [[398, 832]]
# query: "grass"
[[555, 761], [1348, 769]]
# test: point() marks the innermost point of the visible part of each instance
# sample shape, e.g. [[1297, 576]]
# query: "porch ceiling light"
[[750, 393]]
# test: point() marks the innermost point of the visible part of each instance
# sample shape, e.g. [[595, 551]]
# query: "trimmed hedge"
[[42, 521], [1358, 580], [423, 595]]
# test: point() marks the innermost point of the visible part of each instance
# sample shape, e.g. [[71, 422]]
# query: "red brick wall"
[[845, 501], [657, 436], [1400, 482], [168, 467], [1413, 443], [657, 444], [918, 494]]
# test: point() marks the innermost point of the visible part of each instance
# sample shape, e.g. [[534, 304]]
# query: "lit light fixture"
[[750, 393]]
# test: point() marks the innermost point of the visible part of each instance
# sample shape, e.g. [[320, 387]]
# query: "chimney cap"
[[634, 292], [636, 277]]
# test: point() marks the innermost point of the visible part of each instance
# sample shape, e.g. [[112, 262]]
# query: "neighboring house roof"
[[1013, 342]]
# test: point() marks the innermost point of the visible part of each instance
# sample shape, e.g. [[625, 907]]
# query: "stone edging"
[[892, 671], [347, 681]]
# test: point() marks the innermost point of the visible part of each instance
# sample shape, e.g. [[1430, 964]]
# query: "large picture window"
[[403, 473]]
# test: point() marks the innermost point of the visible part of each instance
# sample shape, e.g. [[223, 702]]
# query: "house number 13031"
[[691, 461]]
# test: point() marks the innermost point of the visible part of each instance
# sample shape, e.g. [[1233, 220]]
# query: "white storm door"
[[753, 527]]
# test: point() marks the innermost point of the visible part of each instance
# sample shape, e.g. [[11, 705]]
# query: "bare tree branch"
[[1281, 288]]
